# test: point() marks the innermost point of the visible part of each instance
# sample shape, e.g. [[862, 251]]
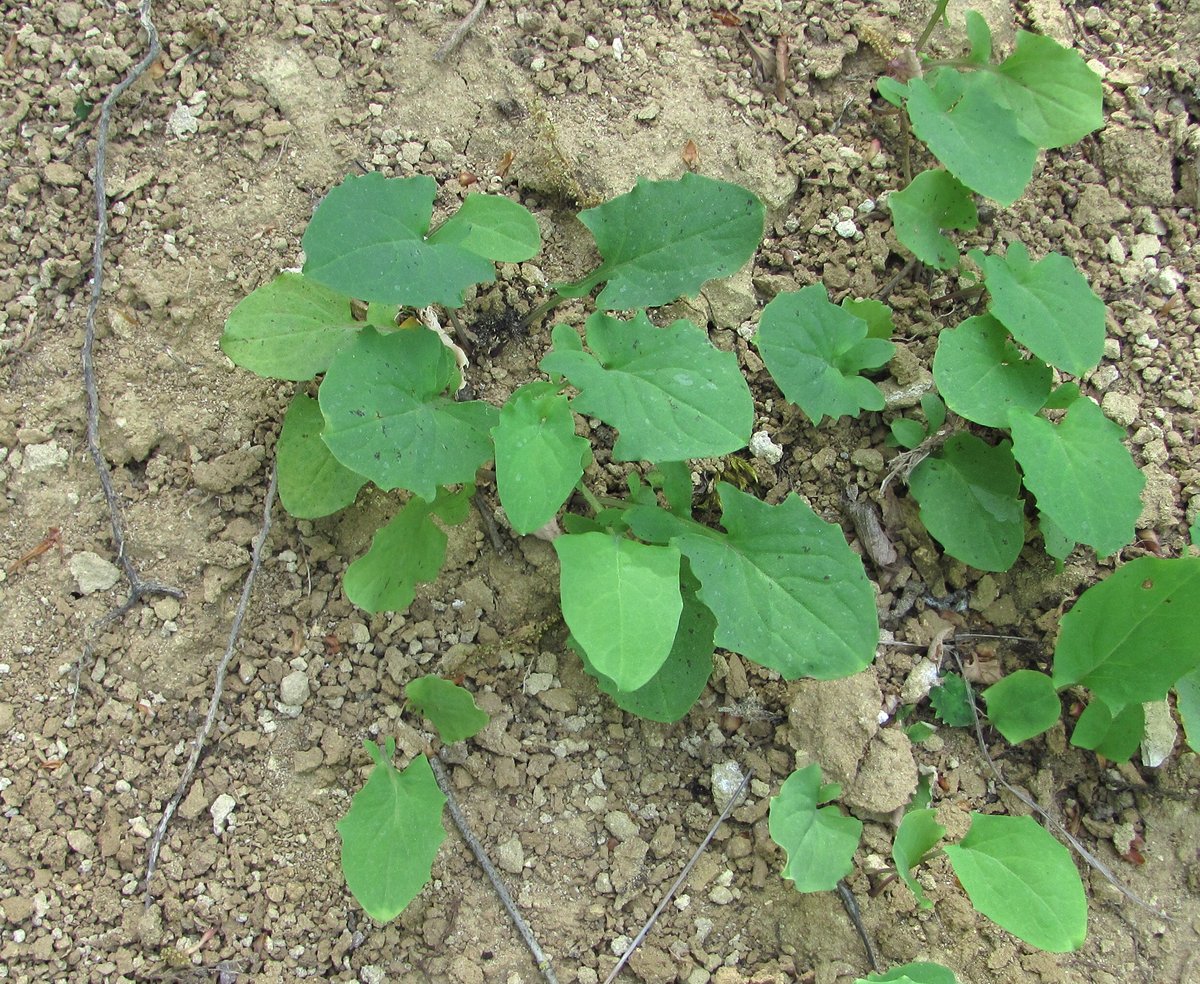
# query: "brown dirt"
[[217, 159]]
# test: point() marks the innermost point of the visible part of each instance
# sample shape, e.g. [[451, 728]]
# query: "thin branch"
[[687, 870], [214, 703], [850, 904], [1050, 821], [489, 869], [460, 32], [138, 587]]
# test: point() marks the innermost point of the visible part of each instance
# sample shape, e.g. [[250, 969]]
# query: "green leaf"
[[933, 201], [1056, 99], [913, 973], [1194, 531], [674, 478], [972, 132], [1063, 396], [952, 701], [539, 459], [290, 328], [1022, 704], [493, 227], [981, 374], [1058, 545], [918, 834], [670, 693], [312, 482], [391, 835], [876, 314], [621, 600], [408, 551], [980, 36], [815, 351], [787, 590], [665, 239], [367, 240], [969, 496], [820, 843], [1021, 878], [388, 415], [893, 90], [1113, 734], [449, 708], [669, 391], [1082, 474], [918, 732], [1187, 703], [1132, 636], [908, 433], [1048, 306], [934, 410]]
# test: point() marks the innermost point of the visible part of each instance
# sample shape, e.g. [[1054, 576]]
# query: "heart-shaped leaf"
[[933, 201], [392, 834], [1022, 705], [665, 239], [815, 351], [1056, 99], [669, 391], [820, 842]]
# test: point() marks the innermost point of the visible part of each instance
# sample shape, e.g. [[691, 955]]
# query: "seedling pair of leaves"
[[1062, 449], [1013, 871], [985, 121], [391, 835]]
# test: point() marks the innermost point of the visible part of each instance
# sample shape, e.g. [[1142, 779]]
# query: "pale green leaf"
[[312, 482], [449, 708], [539, 458], [918, 972], [1022, 705], [1187, 703], [1056, 99], [980, 37], [918, 834], [290, 328], [1113, 733], [815, 350], [876, 314], [1082, 474], [391, 835], [820, 842], [493, 227], [1021, 878], [621, 600]]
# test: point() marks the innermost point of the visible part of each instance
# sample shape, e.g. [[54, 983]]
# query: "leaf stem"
[[939, 11], [596, 505], [539, 312]]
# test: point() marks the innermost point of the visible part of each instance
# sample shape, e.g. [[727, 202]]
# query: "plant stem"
[[596, 505], [939, 11], [539, 312]]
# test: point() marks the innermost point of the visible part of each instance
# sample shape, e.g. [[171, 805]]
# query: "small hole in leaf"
[[1147, 584]]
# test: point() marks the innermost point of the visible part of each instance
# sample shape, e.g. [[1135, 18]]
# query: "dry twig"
[[460, 32], [214, 703]]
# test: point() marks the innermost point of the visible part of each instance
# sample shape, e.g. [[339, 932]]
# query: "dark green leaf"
[[367, 240], [952, 701], [934, 410], [1187, 703], [908, 433], [1048, 306], [1082, 474], [1116, 735]]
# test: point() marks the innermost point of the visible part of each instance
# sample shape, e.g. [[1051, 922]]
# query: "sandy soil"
[[217, 158]]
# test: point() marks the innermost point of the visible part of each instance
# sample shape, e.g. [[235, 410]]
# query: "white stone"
[[761, 446], [294, 688], [93, 573], [846, 229], [726, 778], [220, 811], [183, 121], [43, 457], [1158, 739]]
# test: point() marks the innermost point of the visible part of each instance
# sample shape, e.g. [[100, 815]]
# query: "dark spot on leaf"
[[1147, 584]]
